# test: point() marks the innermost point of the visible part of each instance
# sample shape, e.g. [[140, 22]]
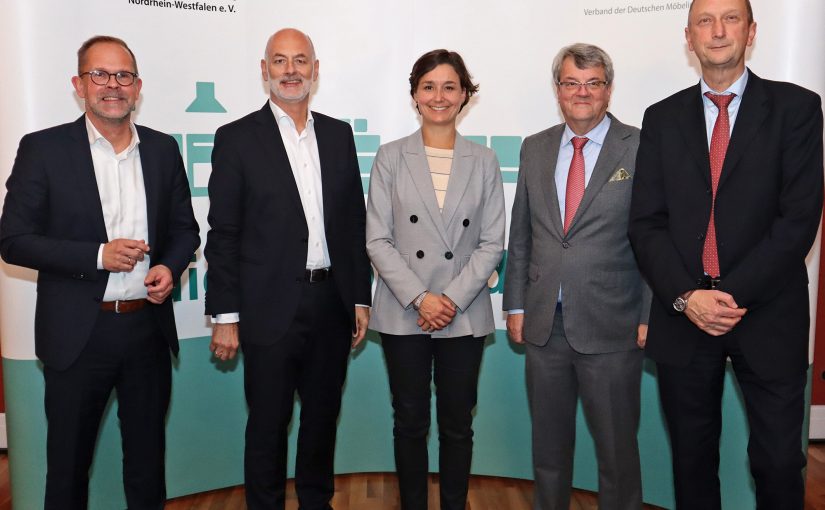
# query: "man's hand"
[[121, 255], [713, 311], [224, 340], [437, 310], [515, 327], [641, 336], [158, 284], [362, 320]]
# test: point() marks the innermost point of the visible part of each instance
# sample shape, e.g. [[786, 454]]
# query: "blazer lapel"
[[150, 166], [753, 110], [550, 147], [84, 170], [460, 174], [692, 124], [416, 161], [328, 159], [275, 154], [612, 152]]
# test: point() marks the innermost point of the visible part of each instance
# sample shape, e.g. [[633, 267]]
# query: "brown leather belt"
[[316, 275], [123, 306]]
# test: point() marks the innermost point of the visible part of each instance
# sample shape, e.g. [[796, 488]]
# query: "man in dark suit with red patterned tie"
[[726, 203]]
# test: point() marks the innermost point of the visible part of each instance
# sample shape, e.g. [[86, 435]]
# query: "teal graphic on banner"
[[205, 101], [507, 149], [366, 146], [191, 283]]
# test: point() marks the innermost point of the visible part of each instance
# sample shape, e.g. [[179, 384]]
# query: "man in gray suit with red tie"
[[572, 288]]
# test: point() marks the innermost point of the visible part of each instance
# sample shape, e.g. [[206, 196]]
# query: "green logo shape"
[[205, 101]]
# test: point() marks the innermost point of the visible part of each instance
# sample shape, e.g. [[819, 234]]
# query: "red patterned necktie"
[[575, 182], [718, 147]]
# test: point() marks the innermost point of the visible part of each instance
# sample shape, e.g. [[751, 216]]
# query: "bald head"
[[288, 35], [290, 68]]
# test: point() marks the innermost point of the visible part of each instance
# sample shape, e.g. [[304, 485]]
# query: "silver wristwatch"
[[680, 303]]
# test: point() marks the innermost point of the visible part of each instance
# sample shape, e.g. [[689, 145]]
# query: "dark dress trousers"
[[53, 222], [295, 335], [768, 206]]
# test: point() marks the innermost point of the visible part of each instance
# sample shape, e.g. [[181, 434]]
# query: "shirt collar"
[[95, 136], [737, 87], [280, 115], [596, 134]]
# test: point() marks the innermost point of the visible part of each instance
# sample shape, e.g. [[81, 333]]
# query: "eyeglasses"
[[572, 86], [101, 77]]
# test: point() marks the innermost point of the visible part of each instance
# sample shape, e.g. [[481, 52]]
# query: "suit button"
[[419, 254], [565, 245], [701, 236], [700, 282], [98, 300], [709, 191], [466, 222], [448, 255], [413, 219]]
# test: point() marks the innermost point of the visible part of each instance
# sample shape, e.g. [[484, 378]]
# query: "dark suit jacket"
[[604, 296], [256, 247], [53, 222], [768, 206]]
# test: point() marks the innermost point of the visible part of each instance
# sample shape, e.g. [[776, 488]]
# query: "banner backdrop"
[[199, 61]]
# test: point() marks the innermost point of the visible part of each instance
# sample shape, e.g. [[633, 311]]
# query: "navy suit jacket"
[[256, 248], [53, 222], [768, 205]]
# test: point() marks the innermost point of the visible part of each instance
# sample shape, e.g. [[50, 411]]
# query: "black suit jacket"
[[768, 206], [53, 222], [256, 247]]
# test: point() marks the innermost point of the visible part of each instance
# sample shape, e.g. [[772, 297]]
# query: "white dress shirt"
[[302, 152], [123, 198], [712, 111]]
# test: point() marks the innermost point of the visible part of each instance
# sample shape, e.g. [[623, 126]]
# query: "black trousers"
[[128, 353], [312, 360], [411, 362], [691, 399]]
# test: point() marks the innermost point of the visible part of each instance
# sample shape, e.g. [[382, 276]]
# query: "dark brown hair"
[[81, 53], [432, 59]]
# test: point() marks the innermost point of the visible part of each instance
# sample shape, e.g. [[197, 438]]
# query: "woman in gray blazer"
[[435, 233]]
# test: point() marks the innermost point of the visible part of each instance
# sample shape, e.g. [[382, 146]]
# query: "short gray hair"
[[585, 56]]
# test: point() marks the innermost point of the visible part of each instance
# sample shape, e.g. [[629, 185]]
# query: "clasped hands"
[[713, 311], [435, 312], [122, 255]]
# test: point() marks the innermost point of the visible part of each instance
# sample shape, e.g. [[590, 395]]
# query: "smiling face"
[[582, 108], [290, 67], [439, 95], [111, 103], [719, 32]]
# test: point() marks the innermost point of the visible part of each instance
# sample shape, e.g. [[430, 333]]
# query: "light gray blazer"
[[414, 247], [604, 298]]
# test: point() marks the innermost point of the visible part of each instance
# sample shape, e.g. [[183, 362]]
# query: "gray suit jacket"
[[603, 295], [414, 247]]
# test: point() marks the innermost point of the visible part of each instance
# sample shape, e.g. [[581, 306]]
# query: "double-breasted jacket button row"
[[448, 255]]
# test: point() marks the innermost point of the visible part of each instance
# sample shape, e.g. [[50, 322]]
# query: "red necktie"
[[575, 182], [718, 148]]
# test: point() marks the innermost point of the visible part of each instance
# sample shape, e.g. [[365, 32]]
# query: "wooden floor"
[[379, 491]]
